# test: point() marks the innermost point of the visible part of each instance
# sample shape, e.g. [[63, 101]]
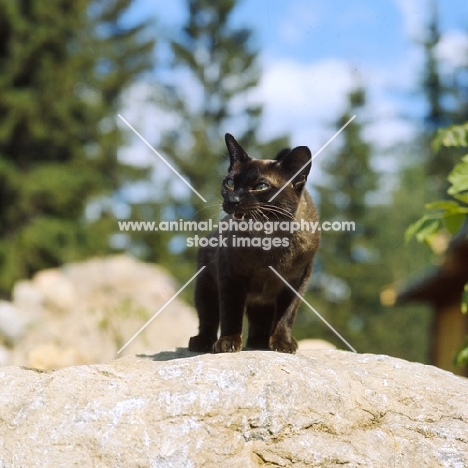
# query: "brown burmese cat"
[[238, 279]]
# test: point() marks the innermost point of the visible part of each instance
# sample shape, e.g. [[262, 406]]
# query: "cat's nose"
[[235, 199]]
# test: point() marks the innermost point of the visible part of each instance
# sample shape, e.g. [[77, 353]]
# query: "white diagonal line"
[[161, 309], [314, 156], [312, 309], [163, 159]]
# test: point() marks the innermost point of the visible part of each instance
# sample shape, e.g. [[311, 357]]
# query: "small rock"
[[94, 307], [5, 356], [28, 298], [56, 288], [13, 321], [315, 344], [50, 356]]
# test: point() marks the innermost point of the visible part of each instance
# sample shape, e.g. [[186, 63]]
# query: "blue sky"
[[314, 51], [360, 30], [373, 32]]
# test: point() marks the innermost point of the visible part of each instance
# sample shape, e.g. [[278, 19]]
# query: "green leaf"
[[424, 227], [464, 303], [460, 184], [459, 178], [454, 136], [453, 222], [414, 228], [463, 197], [447, 205], [429, 230], [461, 357]]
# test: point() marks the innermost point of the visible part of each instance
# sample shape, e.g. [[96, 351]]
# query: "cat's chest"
[[261, 289], [257, 284]]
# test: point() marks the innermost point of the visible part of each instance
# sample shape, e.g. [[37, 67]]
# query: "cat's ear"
[[282, 154], [298, 160], [237, 154]]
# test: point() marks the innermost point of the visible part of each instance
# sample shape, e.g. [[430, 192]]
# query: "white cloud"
[[386, 131], [299, 98], [140, 110], [452, 49], [305, 100], [414, 16], [384, 117]]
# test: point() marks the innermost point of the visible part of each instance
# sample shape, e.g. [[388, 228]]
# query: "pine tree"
[[435, 117], [445, 94], [438, 90], [348, 261], [431, 80], [63, 67], [219, 68], [403, 331], [223, 69]]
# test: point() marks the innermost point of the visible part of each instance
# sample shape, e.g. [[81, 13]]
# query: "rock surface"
[[320, 408]]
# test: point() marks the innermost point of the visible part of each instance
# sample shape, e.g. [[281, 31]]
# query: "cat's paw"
[[283, 344], [228, 344], [201, 344]]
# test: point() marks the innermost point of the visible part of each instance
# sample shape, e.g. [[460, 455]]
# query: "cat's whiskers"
[[208, 206], [285, 212], [277, 211], [259, 210], [255, 214], [216, 214], [264, 216]]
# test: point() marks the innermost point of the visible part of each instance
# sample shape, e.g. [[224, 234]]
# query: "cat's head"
[[251, 183]]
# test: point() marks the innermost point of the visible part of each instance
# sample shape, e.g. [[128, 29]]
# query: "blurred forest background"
[[70, 168]]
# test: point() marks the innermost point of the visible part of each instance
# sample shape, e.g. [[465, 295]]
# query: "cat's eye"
[[261, 186], [229, 183]]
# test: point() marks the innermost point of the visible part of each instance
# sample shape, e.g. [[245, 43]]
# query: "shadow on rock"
[[179, 353]]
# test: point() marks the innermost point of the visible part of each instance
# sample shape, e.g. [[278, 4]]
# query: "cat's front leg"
[[232, 298], [281, 339], [206, 302], [287, 304]]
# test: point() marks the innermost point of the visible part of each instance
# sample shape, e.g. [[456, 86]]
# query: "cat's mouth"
[[240, 216]]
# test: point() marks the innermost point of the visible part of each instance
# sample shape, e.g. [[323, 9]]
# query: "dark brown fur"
[[238, 279]]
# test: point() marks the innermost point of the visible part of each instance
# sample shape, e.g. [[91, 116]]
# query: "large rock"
[[83, 313], [323, 408]]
